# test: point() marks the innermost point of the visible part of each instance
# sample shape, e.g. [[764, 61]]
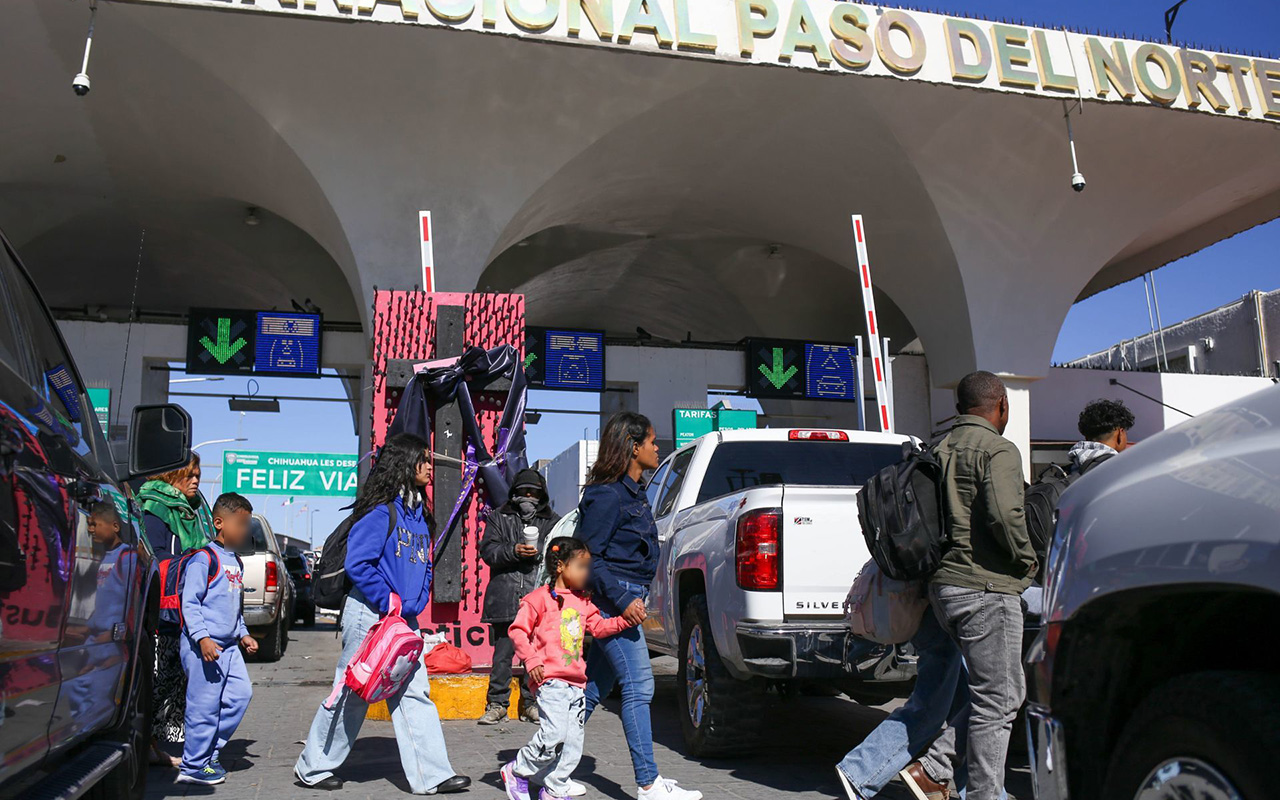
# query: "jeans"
[[218, 694], [987, 627], [938, 695], [504, 655], [555, 750], [625, 658], [413, 715]]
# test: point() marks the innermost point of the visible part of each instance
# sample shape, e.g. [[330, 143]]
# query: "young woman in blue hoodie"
[[386, 556]]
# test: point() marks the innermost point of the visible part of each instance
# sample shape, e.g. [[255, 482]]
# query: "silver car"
[[268, 591], [1156, 675]]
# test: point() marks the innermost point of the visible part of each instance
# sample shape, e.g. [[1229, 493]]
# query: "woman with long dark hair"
[[388, 552], [175, 519], [617, 525]]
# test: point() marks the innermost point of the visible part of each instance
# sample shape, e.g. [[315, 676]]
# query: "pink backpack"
[[385, 660]]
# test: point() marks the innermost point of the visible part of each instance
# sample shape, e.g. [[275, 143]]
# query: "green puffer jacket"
[[192, 525]]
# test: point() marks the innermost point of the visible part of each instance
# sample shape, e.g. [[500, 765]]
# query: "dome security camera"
[[80, 84], [1077, 182]]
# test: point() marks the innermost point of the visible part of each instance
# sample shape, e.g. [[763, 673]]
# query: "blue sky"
[[1214, 276]]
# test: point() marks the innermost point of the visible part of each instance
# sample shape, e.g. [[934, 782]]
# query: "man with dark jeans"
[[975, 592], [514, 537]]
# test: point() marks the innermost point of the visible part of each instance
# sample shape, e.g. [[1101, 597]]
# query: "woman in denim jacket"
[[617, 526]]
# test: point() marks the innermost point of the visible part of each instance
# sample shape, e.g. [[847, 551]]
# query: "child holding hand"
[[548, 633]]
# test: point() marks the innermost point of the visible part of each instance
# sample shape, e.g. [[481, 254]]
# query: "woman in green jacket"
[[175, 519]]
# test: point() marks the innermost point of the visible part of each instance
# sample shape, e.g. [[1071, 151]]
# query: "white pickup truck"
[[760, 544]]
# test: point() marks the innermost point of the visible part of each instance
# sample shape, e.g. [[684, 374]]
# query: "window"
[[655, 484], [741, 465], [257, 541], [10, 345], [672, 483]]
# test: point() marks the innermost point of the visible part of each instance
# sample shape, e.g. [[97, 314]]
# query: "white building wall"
[[566, 474]]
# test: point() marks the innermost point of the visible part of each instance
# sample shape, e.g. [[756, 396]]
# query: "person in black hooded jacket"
[[513, 573]]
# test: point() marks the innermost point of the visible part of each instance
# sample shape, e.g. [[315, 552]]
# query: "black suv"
[[300, 572], [76, 615]]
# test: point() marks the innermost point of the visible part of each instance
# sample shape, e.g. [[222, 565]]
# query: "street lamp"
[[221, 441], [310, 527]]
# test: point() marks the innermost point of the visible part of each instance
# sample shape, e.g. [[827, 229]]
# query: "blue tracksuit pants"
[[218, 694]]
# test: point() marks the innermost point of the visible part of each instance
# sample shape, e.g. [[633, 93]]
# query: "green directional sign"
[[292, 474], [775, 368], [220, 341]]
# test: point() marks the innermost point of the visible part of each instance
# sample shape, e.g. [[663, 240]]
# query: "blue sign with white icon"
[[287, 343], [573, 360], [829, 372]]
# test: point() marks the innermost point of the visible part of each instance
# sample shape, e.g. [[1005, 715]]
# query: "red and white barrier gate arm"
[[879, 369]]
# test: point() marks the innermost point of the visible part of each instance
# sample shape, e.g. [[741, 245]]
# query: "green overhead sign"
[[691, 423], [294, 474]]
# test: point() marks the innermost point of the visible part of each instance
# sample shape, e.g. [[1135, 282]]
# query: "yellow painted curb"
[[456, 697]]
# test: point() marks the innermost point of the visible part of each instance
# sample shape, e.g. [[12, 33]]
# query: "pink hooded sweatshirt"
[[548, 633]]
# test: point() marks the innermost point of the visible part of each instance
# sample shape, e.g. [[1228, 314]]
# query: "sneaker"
[[493, 715], [530, 714], [847, 784], [921, 785], [517, 787], [576, 789], [207, 776], [545, 795], [664, 789]]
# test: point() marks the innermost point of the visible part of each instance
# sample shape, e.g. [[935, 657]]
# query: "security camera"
[[80, 84], [1077, 182]]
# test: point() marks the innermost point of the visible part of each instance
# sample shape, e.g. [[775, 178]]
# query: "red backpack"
[[171, 570]]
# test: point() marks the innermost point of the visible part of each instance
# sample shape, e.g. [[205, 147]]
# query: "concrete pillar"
[[1019, 429]]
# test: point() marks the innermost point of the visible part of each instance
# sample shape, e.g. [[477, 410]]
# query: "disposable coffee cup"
[[531, 535]]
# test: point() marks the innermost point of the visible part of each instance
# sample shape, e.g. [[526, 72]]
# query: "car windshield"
[[741, 465], [257, 541]]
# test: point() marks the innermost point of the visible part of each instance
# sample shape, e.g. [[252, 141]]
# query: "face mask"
[[526, 505]]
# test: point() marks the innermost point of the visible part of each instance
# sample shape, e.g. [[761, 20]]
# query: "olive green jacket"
[[982, 481]]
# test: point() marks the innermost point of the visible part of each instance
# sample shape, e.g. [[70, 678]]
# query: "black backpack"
[[1040, 505], [903, 516], [331, 583]]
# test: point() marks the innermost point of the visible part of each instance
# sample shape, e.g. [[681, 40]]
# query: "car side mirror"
[[159, 439]]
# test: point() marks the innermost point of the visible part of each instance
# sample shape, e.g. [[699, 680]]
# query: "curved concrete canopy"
[[347, 130]]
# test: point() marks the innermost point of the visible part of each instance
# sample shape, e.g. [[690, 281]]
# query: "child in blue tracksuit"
[[218, 689]]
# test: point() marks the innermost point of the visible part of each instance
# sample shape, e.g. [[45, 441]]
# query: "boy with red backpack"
[[218, 688]]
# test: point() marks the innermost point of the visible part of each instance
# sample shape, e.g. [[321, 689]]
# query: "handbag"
[[883, 609]]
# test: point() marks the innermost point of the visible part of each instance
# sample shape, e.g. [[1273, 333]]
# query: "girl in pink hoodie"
[[548, 634]]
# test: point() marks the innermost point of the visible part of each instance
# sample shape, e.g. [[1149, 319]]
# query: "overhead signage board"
[[287, 344], [736, 419], [100, 399], [292, 474], [851, 39], [222, 341], [559, 358], [691, 423], [798, 370]]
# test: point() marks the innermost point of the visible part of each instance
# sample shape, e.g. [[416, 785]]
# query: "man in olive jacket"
[[975, 592], [513, 573]]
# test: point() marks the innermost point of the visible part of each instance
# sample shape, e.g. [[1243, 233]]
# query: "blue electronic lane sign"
[[287, 344], [829, 372], [571, 360]]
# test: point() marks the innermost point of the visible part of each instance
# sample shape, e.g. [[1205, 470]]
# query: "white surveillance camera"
[[1077, 182], [81, 84]]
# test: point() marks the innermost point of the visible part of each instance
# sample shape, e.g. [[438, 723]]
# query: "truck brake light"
[[273, 577], [759, 549], [818, 436]]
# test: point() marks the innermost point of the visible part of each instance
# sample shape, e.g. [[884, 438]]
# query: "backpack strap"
[[215, 563]]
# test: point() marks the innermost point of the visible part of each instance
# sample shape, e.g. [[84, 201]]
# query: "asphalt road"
[[810, 734]]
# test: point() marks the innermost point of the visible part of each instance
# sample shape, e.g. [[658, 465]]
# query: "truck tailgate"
[[822, 549]]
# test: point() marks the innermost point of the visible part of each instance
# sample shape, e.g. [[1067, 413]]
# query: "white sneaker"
[[664, 789], [576, 789], [848, 786]]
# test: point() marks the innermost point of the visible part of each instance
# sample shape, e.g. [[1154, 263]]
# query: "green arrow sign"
[[529, 359], [778, 376], [224, 348]]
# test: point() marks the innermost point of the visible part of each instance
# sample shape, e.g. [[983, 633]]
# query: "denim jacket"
[[617, 525]]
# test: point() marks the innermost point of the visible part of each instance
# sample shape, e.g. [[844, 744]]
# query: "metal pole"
[[862, 397], [1155, 296], [888, 380]]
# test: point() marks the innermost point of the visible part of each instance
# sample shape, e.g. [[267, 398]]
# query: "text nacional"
[[852, 38]]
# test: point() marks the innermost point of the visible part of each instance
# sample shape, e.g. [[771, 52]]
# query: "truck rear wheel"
[[720, 715], [1206, 735]]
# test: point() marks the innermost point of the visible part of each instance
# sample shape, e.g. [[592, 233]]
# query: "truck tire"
[[720, 715], [1206, 735], [128, 781], [271, 648]]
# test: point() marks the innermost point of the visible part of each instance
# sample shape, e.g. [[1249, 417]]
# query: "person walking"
[[515, 535], [617, 525], [975, 592], [1105, 425], [175, 519], [386, 555]]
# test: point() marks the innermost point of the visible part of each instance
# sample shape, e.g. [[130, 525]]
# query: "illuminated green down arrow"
[[778, 376], [529, 359], [224, 348]]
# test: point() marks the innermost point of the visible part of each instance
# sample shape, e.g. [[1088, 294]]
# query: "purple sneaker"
[[517, 787], [545, 795]]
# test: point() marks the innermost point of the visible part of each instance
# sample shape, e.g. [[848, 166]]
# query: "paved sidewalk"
[[810, 736]]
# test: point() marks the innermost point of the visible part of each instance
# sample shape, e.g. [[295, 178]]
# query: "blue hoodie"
[[213, 608], [379, 564]]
